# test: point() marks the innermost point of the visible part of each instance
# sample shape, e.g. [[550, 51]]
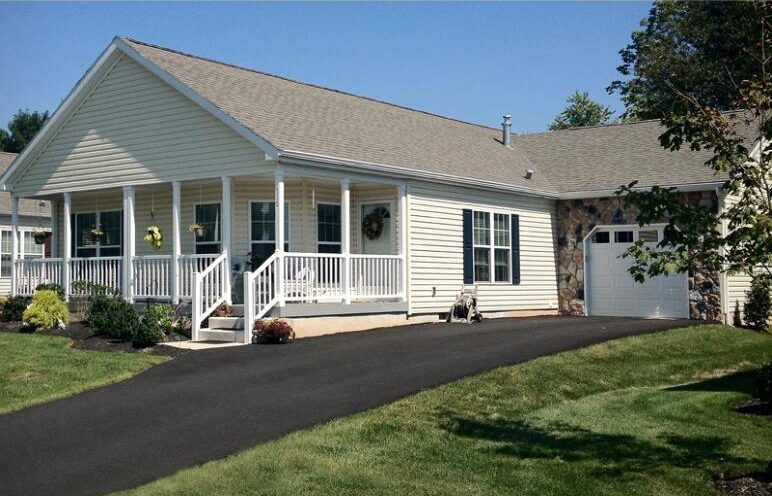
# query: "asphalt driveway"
[[209, 404]]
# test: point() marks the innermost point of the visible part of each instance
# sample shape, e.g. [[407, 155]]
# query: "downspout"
[[723, 278]]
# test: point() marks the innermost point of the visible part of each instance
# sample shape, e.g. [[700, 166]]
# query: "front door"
[[376, 228]]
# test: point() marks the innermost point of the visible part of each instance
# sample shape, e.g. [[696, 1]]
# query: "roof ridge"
[[295, 81]]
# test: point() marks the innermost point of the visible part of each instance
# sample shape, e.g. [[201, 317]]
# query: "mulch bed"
[[83, 338], [755, 484], [756, 407]]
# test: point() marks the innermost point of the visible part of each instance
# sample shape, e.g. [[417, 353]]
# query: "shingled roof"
[[602, 158], [300, 117]]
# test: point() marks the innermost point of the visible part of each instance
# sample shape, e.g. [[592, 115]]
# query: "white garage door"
[[612, 291]]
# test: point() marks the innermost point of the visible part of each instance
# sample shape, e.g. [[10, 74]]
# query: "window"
[[262, 216], [600, 237], [492, 250], [328, 228], [623, 236], [648, 236], [28, 249], [208, 216], [110, 223]]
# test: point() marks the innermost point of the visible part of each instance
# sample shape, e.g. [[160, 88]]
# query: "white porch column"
[[66, 244], [128, 242], [402, 189], [54, 228], [226, 233], [279, 229], [14, 241], [176, 242], [345, 238]]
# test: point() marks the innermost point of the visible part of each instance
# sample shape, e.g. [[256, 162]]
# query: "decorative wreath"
[[372, 225]]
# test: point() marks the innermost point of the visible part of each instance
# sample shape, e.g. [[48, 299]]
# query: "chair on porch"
[[300, 284]]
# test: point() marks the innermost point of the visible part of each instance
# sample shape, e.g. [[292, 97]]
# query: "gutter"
[[300, 158], [684, 188]]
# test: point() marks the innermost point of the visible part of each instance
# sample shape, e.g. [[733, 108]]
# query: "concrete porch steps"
[[228, 329]]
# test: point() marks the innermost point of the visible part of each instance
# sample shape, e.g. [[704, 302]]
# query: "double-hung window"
[[86, 245], [207, 215], [28, 249], [492, 247], [262, 215], [328, 228]]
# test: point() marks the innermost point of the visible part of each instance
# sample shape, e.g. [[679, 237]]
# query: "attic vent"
[[506, 128]]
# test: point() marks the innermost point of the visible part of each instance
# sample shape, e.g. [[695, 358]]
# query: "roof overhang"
[[300, 158], [684, 188]]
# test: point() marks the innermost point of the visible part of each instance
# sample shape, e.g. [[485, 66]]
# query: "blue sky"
[[472, 61]]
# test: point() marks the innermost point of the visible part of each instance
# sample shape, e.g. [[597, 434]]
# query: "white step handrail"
[[210, 291], [261, 292]]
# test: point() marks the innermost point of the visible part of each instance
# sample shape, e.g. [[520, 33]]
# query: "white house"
[[346, 207]]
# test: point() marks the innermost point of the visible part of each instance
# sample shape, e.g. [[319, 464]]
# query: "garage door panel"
[[612, 291]]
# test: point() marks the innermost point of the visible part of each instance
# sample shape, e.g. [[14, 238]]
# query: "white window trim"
[[98, 245], [492, 247], [316, 225], [195, 220], [22, 253], [287, 228], [359, 219]]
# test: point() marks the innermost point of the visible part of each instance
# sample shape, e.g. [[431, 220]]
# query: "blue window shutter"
[[468, 248], [515, 249]]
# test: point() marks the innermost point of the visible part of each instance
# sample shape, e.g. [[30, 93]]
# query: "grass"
[[638, 416], [35, 369]]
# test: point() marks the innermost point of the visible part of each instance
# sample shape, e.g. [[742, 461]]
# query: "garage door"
[[612, 291]]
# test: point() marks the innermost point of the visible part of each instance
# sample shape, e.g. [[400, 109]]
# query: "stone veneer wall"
[[576, 218]]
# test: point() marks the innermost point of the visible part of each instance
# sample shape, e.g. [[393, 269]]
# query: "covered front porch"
[[281, 237]]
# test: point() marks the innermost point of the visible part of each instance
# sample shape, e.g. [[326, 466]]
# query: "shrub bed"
[[46, 311]]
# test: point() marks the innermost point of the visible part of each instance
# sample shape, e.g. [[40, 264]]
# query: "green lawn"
[[35, 369], [643, 415]]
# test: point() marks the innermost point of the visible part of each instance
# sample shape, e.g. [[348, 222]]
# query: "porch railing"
[[261, 292], [152, 276], [211, 288], [32, 272], [189, 265], [313, 277], [101, 271], [375, 276]]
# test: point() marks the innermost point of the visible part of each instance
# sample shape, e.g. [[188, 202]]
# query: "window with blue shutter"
[[468, 248], [515, 249]]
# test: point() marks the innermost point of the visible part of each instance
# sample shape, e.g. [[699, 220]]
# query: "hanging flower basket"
[[154, 237], [97, 234], [40, 237], [197, 229]]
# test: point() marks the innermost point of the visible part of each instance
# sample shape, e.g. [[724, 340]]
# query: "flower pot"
[[199, 232], [40, 238]]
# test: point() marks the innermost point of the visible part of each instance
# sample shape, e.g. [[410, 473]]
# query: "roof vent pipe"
[[506, 128]]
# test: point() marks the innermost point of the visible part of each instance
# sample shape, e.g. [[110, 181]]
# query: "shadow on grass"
[[617, 455], [739, 382]]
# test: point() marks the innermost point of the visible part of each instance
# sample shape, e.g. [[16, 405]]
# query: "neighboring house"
[[313, 203], [34, 215]]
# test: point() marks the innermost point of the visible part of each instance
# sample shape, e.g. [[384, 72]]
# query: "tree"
[[581, 112], [22, 127], [697, 46], [694, 113]]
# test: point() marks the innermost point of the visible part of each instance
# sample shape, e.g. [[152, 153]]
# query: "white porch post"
[[345, 235], [14, 242], [54, 228], [176, 243], [128, 242], [66, 244], [279, 229], [226, 233], [403, 241]]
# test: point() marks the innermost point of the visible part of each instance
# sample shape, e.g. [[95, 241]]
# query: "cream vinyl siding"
[[302, 195], [737, 285], [134, 128], [435, 249]]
